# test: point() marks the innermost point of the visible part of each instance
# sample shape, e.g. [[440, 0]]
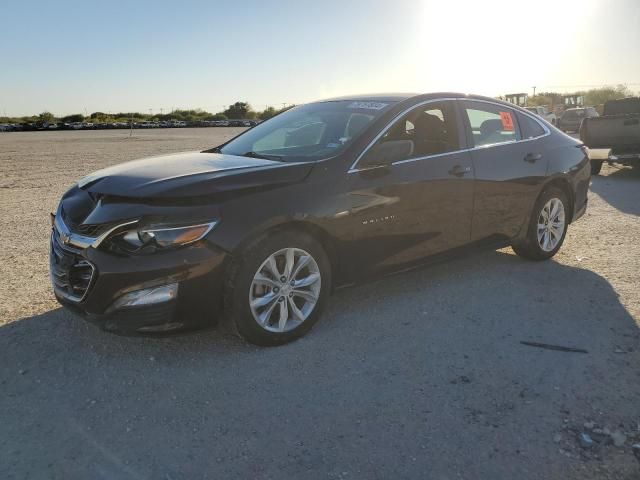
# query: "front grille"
[[71, 274], [88, 230]]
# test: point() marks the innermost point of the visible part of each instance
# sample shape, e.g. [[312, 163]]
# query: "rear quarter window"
[[529, 127]]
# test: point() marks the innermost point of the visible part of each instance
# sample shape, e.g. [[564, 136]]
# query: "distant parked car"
[[542, 112], [571, 119]]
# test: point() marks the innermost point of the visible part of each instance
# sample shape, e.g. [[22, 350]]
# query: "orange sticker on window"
[[507, 120]]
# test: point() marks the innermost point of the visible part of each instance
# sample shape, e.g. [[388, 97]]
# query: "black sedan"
[[258, 231]]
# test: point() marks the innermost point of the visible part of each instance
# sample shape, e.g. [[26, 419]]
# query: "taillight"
[[584, 149]]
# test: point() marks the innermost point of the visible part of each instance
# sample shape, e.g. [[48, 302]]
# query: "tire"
[[251, 281], [534, 248], [596, 166]]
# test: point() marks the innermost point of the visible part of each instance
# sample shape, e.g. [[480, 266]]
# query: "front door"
[[416, 199]]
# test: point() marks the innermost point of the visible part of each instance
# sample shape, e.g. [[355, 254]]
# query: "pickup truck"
[[617, 132], [543, 113]]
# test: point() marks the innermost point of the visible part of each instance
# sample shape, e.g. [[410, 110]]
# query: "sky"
[[83, 56]]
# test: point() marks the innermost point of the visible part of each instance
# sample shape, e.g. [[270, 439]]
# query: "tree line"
[[238, 110], [243, 110], [594, 97]]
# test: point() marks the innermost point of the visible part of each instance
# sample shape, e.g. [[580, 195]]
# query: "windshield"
[[309, 132]]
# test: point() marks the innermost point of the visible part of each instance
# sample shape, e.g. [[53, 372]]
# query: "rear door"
[[417, 205], [509, 168]]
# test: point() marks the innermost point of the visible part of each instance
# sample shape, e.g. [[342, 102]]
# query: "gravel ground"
[[421, 375]]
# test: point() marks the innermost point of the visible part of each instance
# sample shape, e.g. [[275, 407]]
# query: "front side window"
[[430, 129], [491, 124], [309, 132]]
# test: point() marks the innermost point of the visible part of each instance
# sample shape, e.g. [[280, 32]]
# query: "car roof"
[[373, 97], [400, 97]]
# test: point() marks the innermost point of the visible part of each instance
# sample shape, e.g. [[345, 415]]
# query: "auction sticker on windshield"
[[368, 105]]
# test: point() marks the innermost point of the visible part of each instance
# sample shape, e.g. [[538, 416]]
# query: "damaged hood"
[[191, 174]]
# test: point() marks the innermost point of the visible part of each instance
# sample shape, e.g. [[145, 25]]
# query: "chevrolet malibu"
[[258, 231]]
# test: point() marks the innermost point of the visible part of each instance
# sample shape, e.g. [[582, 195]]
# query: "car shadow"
[[620, 187], [393, 368]]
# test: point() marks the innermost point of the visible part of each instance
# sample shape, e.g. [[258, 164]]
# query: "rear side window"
[[491, 124], [529, 127]]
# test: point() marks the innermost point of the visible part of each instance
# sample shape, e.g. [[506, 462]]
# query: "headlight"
[[151, 238]]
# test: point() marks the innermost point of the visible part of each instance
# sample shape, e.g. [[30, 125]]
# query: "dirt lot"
[[417, 376]]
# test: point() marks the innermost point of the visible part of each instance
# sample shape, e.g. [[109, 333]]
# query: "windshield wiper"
[[261, 155], [212, 150]]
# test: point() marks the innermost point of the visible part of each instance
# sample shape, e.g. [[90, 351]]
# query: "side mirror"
[[386, 153]]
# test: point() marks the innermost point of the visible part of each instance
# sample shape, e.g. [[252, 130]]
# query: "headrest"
[[490, 126], [429, 122]]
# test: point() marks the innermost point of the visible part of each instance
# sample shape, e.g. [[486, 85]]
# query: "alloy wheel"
[[285, 289], [551, 222]]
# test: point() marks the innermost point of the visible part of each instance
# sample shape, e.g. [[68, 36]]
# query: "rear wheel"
[[596, 166], [547, 227], [277, 288]]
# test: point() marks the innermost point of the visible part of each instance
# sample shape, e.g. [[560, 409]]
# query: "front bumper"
[[624, 158], [198, 270]]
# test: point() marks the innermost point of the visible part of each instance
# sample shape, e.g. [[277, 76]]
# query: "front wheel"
[[277, 288], [547, 227]]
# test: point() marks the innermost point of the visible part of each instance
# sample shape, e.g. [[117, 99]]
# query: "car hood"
[[191, 174]]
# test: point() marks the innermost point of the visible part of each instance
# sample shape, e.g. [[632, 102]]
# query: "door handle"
[[459, 171], [532, 157]]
